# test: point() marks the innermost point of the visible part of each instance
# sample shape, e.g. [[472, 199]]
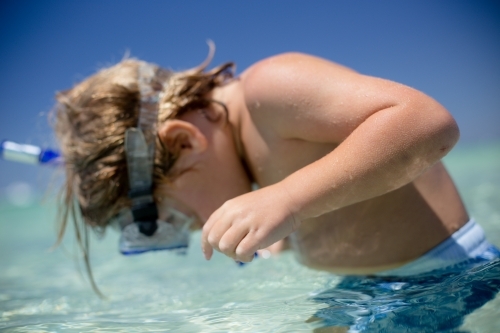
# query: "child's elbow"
[[445, 132], [452, 131]]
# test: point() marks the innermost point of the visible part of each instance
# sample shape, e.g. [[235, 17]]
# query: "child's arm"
[[387, 133]]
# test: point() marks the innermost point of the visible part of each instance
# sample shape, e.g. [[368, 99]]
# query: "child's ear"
[[182, 137]]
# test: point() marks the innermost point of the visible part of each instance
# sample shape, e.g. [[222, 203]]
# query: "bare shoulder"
[[307, 97], [285, 72], [281, 89]]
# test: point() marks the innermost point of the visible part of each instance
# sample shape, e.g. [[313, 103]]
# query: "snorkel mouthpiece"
[[147, 228], [145, 217]]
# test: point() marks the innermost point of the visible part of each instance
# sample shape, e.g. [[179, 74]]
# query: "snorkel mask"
[[141, 230]]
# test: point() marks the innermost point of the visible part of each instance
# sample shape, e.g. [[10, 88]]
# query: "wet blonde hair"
[[90, 121]]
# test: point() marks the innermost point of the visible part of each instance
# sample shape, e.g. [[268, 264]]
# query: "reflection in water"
[[428, 302]]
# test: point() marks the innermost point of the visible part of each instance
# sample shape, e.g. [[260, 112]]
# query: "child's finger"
[[230, 240], [247, 248], [205, 246], [206, 249], [217, 231]]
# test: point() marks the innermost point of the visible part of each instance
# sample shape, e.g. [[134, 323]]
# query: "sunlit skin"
[[347, 167]]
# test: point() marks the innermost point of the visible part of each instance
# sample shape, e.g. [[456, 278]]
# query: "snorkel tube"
[[29, 154]]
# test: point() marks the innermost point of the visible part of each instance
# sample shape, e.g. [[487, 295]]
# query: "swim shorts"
[[465, 245]]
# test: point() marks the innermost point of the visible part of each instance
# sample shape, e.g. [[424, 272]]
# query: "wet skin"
[[347, 165]]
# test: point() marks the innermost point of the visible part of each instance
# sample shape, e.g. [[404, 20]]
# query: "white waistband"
[[466, 243]]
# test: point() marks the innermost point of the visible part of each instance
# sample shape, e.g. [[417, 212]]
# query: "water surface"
[[44, 291]]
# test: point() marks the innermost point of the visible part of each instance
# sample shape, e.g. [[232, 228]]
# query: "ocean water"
[[44, 290]]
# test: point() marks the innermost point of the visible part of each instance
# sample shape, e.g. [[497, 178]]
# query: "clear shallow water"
[[42, 291]]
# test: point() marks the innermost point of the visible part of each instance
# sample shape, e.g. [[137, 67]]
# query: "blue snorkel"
[[29, 154]]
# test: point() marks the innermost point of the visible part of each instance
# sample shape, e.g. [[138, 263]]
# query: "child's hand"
[[250, 222]]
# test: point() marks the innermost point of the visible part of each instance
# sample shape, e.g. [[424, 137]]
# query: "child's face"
[[209, 168]]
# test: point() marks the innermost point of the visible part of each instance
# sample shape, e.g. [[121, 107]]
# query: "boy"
[[347, 165]]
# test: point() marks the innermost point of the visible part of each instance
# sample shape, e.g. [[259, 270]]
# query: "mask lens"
[[172, 234]]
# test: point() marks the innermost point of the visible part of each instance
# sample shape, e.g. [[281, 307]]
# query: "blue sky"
[[448, 49]]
